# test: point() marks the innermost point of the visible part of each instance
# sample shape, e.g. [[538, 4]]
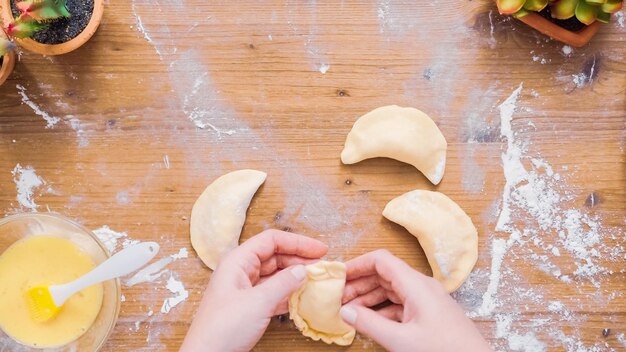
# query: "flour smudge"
[[26, 182], [50, 120]]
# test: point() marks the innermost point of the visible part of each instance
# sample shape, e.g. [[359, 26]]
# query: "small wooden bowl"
[[575, 39], [56, 49], [8, 63]]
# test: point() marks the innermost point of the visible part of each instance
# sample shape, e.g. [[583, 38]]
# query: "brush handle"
[[123, 262]]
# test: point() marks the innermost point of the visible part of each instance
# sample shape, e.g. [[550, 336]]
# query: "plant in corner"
[[51, 27], [34, 16], [573, 22]]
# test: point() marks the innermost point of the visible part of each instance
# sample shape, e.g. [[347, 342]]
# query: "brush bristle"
[[40, 303]]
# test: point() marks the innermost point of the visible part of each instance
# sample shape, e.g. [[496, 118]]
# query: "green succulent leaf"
[[612, 6], [509, 7], [24, 27], [586, 13], [44, 10], [535, 5], [521, 13], [563, 9], [603, 17], [594, 2]]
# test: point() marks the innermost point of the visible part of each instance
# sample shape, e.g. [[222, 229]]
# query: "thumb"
[[278, 287], [370, 323]]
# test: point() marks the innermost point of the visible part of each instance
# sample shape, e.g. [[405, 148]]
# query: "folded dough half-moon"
[[220, 212], [444, 231], [314, 308], [404, 134]]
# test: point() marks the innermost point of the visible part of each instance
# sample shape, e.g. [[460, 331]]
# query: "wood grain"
[[127, 97]]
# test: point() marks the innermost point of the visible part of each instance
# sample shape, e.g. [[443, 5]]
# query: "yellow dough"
[[444, 231], [404, 134], [219, 213], [45, 260], [314, 308]]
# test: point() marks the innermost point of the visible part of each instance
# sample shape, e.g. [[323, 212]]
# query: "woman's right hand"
[[421, 317]]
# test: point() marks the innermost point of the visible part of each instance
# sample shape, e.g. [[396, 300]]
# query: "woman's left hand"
[[248, 288]]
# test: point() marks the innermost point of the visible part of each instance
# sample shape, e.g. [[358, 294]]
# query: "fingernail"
[[299, 272], [348, 314]]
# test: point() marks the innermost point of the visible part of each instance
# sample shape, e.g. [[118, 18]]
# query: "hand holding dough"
[[444, 231], [404, 134], [314, 308], [219, 213]]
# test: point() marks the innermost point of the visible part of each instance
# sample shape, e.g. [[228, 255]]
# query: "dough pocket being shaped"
[[444, 231], [404, 134], [219, 213], [314, 308]]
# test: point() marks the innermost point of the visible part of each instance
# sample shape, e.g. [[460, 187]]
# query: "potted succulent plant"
[[7, 58], [573, 22], [51, 27]]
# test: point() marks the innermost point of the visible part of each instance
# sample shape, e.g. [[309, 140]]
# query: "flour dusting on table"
[[538, 223], [142, 30], [110, 237], [26, 182], [394, 19], [489, 303], [51, 120], [122, 198], [78, 127], [72, 121], [580, 79], [515, 341], [567, 50], [180, 294], [619, 19], [314, 48], [513, 169], [621, 338]]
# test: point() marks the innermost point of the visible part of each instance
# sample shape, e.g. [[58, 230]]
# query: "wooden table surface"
[[277, 86]]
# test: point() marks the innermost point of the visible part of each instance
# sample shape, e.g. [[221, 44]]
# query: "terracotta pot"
[[56, 49], [575, 39], [8, 62]]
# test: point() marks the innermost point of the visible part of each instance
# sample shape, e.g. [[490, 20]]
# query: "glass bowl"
[[16, 227]]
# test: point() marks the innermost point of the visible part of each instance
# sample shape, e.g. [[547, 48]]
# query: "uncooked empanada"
[[314, 308], [444, 231], [220, 212], [404, 134]]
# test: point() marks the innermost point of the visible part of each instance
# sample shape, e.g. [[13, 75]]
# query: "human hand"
[[421, 317], [248, 287]]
